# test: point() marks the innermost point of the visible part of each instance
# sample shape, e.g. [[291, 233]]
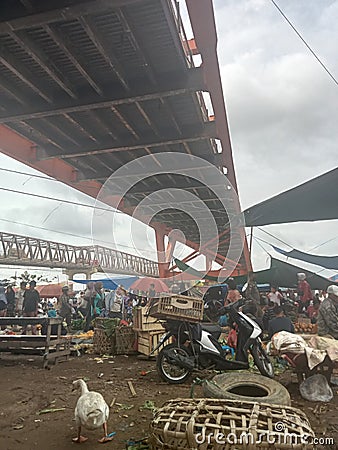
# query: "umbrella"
[[51, 290], [143, 284]]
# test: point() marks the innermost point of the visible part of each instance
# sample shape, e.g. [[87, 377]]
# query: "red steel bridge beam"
[[201, 13]]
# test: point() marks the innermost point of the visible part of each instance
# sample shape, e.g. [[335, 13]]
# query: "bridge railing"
[[23, 250]]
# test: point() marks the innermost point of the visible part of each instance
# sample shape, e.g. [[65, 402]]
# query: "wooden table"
[[50, 347]]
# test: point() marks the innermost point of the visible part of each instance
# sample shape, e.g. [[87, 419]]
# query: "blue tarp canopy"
[[111, 284]]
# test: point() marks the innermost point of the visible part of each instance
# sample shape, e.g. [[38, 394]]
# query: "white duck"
[[91, 412]]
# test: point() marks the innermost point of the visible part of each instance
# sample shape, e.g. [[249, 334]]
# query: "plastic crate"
[[177, 307]]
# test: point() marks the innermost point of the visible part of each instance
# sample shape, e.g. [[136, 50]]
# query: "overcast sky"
[[282, 111]]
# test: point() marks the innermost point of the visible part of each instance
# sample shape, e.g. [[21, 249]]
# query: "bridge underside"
[[87, 86]]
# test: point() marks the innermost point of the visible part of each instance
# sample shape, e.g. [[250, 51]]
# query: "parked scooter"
[[196, 346]]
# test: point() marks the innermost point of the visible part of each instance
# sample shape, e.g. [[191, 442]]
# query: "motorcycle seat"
[[211, 328]]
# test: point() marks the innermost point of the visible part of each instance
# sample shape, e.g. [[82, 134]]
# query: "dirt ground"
[[26, 389]]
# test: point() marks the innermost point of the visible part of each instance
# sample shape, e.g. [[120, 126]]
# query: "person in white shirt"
[[275, 296]]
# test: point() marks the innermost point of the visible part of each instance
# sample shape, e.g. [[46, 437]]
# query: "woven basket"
[[217, 424]]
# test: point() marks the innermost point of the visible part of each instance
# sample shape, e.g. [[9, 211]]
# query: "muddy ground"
[[26, 389]]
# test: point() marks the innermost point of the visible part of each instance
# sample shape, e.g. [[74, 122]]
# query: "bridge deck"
[[94, 84]]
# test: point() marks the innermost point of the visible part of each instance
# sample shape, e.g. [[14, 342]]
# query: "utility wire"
[[285, 243], [70, 202], [275, 237], [43, 177], [305, 43], [261, 246], [320, 245]]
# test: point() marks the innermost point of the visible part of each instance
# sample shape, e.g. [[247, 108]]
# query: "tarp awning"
[[316, 199], [329, 262], [285, 275], [112, 284], [193, 272]]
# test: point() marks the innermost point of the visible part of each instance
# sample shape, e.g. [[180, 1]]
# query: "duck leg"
[[79, 439], [106, 437]]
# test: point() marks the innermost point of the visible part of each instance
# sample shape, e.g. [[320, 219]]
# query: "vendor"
[[280, 322], [328, 314], [304, 292]]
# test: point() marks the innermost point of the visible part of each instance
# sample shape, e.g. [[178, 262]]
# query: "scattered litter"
[[316, 389], [18, 427], [124, 406], [112, 403], [50, 410], [137, 445], [334, 380], [148, 404], [131, 388], [100, 375], [62, 378], [143, 373], [37, 420]]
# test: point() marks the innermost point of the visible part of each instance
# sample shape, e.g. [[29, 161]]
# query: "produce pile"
[[301, 327]]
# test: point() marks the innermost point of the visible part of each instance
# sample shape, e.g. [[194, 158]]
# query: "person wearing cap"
[[64, 308], [304, 292], [328, 314], [31, 300]]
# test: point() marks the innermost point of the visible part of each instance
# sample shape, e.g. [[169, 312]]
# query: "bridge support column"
[[208, 263], [88, 272], [163, 263]]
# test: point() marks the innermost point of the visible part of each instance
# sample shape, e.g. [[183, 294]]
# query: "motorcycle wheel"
[[262, 360], [168, 372]]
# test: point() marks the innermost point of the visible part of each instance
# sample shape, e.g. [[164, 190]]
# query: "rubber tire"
[[159, 367], [260, 365], [277, 393]]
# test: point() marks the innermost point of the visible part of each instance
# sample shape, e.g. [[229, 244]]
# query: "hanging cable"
[[305, 43], [275, 237], [69, 202]]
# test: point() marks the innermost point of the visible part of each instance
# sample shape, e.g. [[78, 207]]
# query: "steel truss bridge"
[[27, 251]]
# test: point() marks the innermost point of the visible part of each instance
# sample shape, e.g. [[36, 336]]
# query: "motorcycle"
[[195, 346]]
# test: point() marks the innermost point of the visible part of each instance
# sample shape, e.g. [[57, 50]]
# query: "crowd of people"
[[271, 310]]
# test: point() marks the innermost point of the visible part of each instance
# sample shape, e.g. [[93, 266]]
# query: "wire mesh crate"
[[103, 345], [218, 424], [125, 341], [179, 307]]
